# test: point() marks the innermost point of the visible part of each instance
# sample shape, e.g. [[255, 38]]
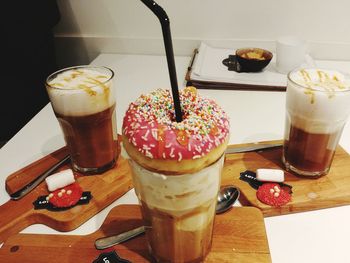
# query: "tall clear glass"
[[317, 108], [83, 99], [178, 211]]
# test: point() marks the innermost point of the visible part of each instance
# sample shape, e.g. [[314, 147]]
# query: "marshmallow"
[[60, 179], [270, 175]]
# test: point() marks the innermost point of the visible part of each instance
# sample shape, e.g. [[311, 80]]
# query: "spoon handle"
[[29, 187], [106, 242], [251, 148]]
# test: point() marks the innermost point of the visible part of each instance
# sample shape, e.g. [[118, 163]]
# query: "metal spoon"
[[227, 196]]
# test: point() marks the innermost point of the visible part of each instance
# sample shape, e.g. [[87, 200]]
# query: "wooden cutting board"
[[105, 188], [308, 194], [239, 236]]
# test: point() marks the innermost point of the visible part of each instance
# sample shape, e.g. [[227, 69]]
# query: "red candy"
[[67, 196], [273, 194]]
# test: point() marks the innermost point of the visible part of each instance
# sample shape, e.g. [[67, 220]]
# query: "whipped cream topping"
[[82, 90], [329, 81], [318, 100], [81, 78]]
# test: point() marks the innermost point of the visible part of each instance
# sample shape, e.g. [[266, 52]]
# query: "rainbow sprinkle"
[[204, 126]]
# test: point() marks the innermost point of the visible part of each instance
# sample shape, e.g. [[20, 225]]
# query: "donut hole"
[[172, 117]]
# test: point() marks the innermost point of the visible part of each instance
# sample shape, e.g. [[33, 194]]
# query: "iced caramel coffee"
[[83, 99], [178, 211], [317, 108], [176, 169]]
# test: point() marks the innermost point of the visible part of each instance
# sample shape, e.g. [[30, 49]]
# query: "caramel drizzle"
[[56, 85], [325, 81], [305, 75], [324, 78], [85, 87], [106, 90], [73, 75], [76, 73], [309, 91]]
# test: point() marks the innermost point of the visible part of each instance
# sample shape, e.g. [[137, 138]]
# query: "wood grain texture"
[[239, 236], [22, 177], [308, 194], [105, 188]]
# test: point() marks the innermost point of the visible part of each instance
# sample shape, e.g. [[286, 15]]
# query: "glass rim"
[[57, 72], [312, 88]]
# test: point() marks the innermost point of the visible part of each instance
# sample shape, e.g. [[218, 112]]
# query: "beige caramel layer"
[[174, 167]]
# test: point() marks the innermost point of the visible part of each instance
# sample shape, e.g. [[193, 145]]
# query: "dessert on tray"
[[176, 169], [156, 141]]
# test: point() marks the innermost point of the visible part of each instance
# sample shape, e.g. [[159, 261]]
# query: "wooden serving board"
[[105, 188], [308, 194], [239, 236]]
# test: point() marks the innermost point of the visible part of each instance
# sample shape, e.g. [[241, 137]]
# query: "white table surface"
[[317, 236]]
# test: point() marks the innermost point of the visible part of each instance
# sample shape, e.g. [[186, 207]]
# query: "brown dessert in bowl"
[[253, 59]]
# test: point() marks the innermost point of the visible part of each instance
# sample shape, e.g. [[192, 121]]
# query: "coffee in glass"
[[83, 99], [317, 107], [176, 169]]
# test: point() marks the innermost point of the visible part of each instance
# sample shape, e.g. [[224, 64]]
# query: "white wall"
[[89, 27]]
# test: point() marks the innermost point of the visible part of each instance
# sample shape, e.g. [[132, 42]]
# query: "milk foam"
[[81, 91], [178, 195], [318, 101]]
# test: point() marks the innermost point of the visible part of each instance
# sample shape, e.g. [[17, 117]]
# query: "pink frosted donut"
[[153, 138]]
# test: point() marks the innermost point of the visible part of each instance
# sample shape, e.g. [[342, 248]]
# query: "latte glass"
[[83, 100], [318, 106]]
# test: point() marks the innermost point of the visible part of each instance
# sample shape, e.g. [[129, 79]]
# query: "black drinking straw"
[[165, 22]]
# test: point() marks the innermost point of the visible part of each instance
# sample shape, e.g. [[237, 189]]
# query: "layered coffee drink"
[[179, 211], [83, 100], [176, 169], [317, 107]]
